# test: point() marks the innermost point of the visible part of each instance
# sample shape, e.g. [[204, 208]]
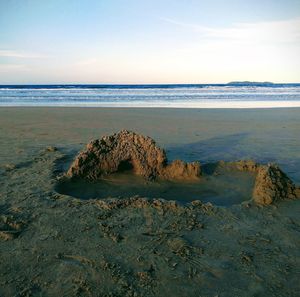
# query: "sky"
[[149, 42]]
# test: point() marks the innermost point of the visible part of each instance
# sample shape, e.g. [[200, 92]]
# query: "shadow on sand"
[[227, 148]]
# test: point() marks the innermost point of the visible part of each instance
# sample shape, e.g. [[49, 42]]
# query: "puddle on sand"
[[227, 188]]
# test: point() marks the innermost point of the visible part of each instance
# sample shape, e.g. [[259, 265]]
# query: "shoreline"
[[143, 107], [183, 105]]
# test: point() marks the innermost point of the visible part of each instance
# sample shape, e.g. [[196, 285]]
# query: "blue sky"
[[89, 41]]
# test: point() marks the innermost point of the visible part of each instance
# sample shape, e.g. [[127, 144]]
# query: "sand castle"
[[130, 151]]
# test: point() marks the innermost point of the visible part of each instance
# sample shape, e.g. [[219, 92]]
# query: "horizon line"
[[236, 83]]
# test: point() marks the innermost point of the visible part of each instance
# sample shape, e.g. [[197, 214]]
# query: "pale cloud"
[[87, 62], [12, 67], [194, 27], [20, 54], [242, 51], [286, 31]]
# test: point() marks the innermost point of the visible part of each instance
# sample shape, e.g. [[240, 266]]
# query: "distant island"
[[250, 83]]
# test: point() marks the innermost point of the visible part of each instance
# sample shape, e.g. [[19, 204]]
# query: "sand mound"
[[271, 183], [128, 150]]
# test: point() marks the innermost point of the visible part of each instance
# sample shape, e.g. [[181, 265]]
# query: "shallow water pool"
[[222, 187]]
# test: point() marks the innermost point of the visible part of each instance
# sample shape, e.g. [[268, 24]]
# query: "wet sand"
[[53, 244]]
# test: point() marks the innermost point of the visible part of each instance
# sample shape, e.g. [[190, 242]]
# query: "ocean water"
[[241, 95]]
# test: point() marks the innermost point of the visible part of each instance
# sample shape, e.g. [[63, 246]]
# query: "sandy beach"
[[57, 242]]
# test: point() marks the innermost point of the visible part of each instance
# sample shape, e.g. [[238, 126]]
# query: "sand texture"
[[54, 244]]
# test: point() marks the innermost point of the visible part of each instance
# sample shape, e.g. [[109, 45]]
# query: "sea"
[[232, 95]]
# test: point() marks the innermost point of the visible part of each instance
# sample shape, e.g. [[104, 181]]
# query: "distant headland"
[[250, 83]]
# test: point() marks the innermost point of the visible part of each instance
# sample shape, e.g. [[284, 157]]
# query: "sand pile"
[[128, 150], [271, 183]]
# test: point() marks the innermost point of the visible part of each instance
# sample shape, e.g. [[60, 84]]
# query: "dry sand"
[[57, 245]]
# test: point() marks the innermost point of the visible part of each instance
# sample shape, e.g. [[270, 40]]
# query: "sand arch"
[[127, 149]]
